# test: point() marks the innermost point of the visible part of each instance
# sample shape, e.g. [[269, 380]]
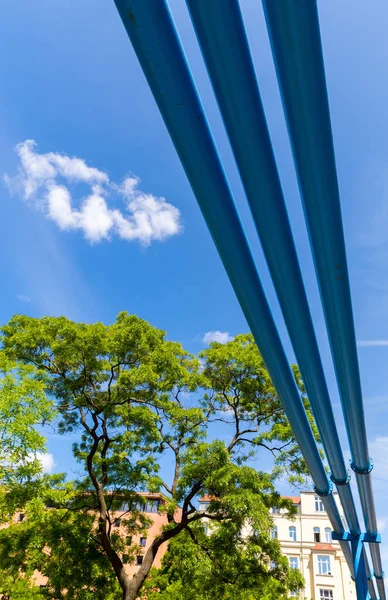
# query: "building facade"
[[306, 541], [151, 506]]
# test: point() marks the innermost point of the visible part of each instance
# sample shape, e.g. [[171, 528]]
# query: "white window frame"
[[319, 504], [328, 537], [324, 564], [295, 562], [325, 594], [274, 533]]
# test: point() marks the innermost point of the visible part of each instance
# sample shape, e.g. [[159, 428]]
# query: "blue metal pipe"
[[296, 47], [221, 35], [371, 586], [360, 570], [155, 40]]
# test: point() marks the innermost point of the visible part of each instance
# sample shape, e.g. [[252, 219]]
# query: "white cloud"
[[23, 298], [45, 179], [371, 343], [47, 461], [217, 336]]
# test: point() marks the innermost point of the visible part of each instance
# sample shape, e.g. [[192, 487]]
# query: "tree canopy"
[[132, 396], [23, 406], [200, 566]]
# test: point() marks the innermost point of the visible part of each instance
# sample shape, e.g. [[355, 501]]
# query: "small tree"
[[23, 406], [134, 396]]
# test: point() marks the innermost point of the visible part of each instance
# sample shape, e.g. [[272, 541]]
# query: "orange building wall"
[[159, 520]]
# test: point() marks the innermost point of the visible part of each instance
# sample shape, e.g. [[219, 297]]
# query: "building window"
[[143, 542], [275, 510], [117, 523], [274, 533], [294, 562], [324, 565], [328, 537], [150, 506], [294, 594], [319, 504], [326, 594], [139, 560], [317, 535], [292, 533], [273, 564]]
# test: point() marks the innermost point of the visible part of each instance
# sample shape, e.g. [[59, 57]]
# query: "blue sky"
[[71, 83]]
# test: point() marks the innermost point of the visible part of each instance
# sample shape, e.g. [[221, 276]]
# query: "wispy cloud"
[[23, 298], [46, 459], [371, 343], [47, 462], [48, 181], [217, 336]]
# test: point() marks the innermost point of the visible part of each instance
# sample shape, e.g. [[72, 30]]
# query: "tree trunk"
[[135, 584]]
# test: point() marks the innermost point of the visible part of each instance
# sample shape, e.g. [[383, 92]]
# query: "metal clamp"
[[324, 494], [365, 471], [382, 576], [340, 481]]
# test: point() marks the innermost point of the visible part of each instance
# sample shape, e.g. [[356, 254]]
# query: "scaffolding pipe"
[[155, 40], [222, 38], [297, 50]]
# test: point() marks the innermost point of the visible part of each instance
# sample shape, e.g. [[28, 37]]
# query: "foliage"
[[197, 567], [23, 405], [59, 543], [132, 396], [245, 400]]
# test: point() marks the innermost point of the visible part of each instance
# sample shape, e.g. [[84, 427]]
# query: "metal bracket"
[[360, 471], [356, 542], [324, 494], [340, 481], [374, 538]]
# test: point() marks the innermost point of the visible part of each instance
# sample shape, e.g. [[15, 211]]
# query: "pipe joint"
[[360, 470], [340, 481], [326, 493]]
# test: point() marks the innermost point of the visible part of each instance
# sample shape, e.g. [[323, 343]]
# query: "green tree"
[[243, 395], [134, 396], [197, 566], [58, 543], [23, 406]]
